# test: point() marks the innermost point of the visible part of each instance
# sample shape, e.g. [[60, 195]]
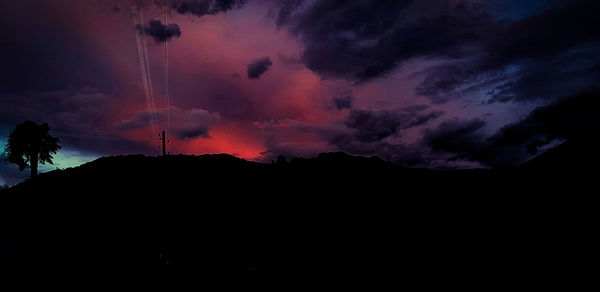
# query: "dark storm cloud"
[[515, 143], [286, 9], [462, 137], [343, 102], [362, 40], [205, 7], [197, 8], [258, 67], [453, 143], [460, 142], [338, 136], [159, 31], [564, 119], [374, 126], [140, 120], [277, 138], [547, 55], [407, 155], [465, 140], [192, 132], [364, 132], [563, 75], [441, 81], [546, 34], [185, 124], [541, 53], [399, 152]]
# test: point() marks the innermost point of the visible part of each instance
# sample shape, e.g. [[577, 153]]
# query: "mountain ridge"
[[221, 223], [570, 153]]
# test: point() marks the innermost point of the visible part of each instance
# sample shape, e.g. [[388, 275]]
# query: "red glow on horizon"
[[237, 140]]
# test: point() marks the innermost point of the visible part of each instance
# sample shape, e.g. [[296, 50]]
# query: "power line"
[[167, 102], [138, 19], [107, 138], [150, 100]]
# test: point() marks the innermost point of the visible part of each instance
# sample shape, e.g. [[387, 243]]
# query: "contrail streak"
[[138, 19]]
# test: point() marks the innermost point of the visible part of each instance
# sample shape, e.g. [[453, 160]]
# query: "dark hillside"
[[335, 222]]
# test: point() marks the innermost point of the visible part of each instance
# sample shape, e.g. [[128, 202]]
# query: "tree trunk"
[[33, 164]]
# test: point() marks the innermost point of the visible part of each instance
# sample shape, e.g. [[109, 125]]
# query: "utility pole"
[[164, 144]]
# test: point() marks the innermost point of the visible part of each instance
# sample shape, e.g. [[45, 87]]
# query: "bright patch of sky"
[[65, 158]]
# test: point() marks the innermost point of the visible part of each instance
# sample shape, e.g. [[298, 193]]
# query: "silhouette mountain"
[[334, 222]]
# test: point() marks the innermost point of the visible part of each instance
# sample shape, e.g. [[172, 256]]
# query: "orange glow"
[[235, 139]]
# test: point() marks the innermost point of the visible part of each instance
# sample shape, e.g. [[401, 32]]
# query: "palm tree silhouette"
[[30, 144]]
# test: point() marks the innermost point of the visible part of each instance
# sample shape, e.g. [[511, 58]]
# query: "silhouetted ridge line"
[[226, 224]]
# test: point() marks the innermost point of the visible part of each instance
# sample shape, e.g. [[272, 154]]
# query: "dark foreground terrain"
[[332, 223]]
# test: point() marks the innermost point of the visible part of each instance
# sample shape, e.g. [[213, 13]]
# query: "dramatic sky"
[[427, 83]]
